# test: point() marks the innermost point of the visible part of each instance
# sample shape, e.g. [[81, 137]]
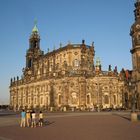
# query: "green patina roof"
[[98, 62], [35, 29]]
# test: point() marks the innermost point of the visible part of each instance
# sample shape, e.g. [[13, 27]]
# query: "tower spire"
[[35, 29], [34, 38]]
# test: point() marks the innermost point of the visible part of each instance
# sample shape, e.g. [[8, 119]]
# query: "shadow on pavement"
[[48, 123], [124, 117]]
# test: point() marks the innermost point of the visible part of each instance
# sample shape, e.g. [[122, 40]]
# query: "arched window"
[[88, 99], [46, 87], [29, 63], [57, 66], [106, 99], [114, 99], [65, 64], [24, 101], [76, 63], [35, 100], [50, 68], [29, 100], [41, 100], [74, 98], [47, 100], [138, 37], [59, 99]]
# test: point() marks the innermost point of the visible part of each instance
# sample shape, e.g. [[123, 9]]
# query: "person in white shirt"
[[33, 119]]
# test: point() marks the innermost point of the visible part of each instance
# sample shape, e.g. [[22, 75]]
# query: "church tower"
[[34, 51], [135, 51]]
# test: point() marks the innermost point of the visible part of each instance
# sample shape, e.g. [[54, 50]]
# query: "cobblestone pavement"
[[74, 126]]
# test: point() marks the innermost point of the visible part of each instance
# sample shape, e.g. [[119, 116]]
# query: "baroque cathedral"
[[68, 78]]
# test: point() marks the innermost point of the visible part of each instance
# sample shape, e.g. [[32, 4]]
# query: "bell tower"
[[135, 51], [135, 34], [34, 51]]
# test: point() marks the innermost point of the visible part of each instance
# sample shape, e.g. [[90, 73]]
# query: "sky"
[[106, 22]]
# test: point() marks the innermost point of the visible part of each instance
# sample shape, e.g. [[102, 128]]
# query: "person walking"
[[23, 117]]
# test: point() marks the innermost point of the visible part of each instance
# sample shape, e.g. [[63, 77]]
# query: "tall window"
[[65, 64], [57, 66], [50, 68], [35, 101], [59, 99], [46, 87], [29, 63], [24, 101], [47, 100], [88, 99], [74, 98], [41, 100], [106, 99], [76, 63], [114, 99], [29, 100]]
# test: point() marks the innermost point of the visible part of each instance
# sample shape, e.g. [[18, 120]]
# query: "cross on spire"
[[35, 22]]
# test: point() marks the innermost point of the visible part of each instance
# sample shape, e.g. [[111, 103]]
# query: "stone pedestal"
[[134, 117]]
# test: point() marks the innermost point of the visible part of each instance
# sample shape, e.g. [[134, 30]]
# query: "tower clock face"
[[138, 26], [29, 72]]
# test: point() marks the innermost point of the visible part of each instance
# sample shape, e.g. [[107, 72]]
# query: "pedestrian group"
[[30, 119]]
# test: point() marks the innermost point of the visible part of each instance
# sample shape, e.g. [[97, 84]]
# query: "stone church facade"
[[69, 77], [65, 78]]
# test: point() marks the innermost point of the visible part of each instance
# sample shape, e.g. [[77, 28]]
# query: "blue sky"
[[106, 22]]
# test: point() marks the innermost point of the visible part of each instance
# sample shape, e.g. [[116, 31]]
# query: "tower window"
[[29, 63], [35, 44]]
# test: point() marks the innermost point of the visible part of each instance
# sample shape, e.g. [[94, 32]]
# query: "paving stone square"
[[73, 126]]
